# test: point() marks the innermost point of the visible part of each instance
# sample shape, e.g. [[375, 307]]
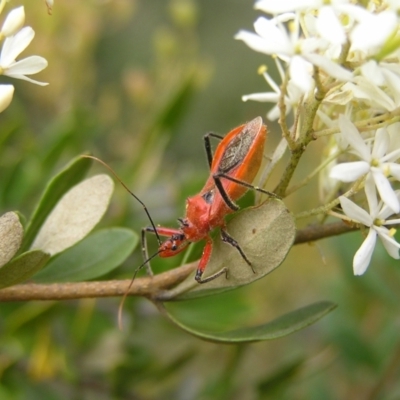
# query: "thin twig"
[[317, 232], [367, 124], [146, 286], [149, 286], [327, 207], [282, 118], [308, 178], [310, 109]]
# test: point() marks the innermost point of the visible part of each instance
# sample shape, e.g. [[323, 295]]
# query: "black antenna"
[[131, 193], [121, 305]]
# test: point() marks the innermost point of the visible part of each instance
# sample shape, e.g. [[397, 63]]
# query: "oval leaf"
[[94, 256], [75, 214], [277, 328], [55, 189], [265, 234], [22, 267], [11, 234]]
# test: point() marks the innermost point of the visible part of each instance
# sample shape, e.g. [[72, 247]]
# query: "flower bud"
[[14, 21], [6, 95], [49, 4]]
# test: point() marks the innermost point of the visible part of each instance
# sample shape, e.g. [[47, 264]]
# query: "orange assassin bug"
[[233, 166]]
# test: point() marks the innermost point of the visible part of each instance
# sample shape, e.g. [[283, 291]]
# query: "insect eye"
[[208, 196], [183, 222]]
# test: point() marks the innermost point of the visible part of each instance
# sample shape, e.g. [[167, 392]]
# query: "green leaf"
[[178, 101], [22, 267], [94, 256], [280, 378], [75, 215], [277, 328], [265, 234], [11, 234], [55, 189]]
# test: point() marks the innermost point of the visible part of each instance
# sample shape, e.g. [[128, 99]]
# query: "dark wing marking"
[[236, 150]]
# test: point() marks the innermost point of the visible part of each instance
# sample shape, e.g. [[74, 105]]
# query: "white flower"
[[277, 7], [376, 220], [363, 88], [300, 53], [394, 136], [6, 95], [384, 75], [12, 47], [50, 4], [331, 16], [376, 162], [13, 23], [368, 39], [292, 98], [329, 27], [394, 4]]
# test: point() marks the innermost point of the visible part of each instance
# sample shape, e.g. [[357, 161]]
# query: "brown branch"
[[317, 232], [148, 286]]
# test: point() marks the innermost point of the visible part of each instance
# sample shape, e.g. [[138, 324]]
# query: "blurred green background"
[[138, 83]]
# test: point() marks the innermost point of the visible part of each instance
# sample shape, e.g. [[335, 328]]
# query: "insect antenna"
[[121, 304], [130, 192]]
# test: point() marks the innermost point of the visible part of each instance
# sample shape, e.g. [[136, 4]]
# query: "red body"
[[238, 155]]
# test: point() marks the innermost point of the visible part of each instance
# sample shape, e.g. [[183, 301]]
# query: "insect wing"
[[239, 155]]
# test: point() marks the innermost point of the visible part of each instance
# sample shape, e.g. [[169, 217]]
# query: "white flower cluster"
[[348, 52], [16, 39], [375, 161]]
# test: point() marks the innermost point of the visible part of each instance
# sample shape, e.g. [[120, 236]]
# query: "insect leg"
[[246, 184], [146, 263], [145, 253], [205, 258], [230, 240], [217, 177], [228, 201], [159, 231], [207, 145]]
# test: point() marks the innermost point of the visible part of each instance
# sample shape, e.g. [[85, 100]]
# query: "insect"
[[233, 166]]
